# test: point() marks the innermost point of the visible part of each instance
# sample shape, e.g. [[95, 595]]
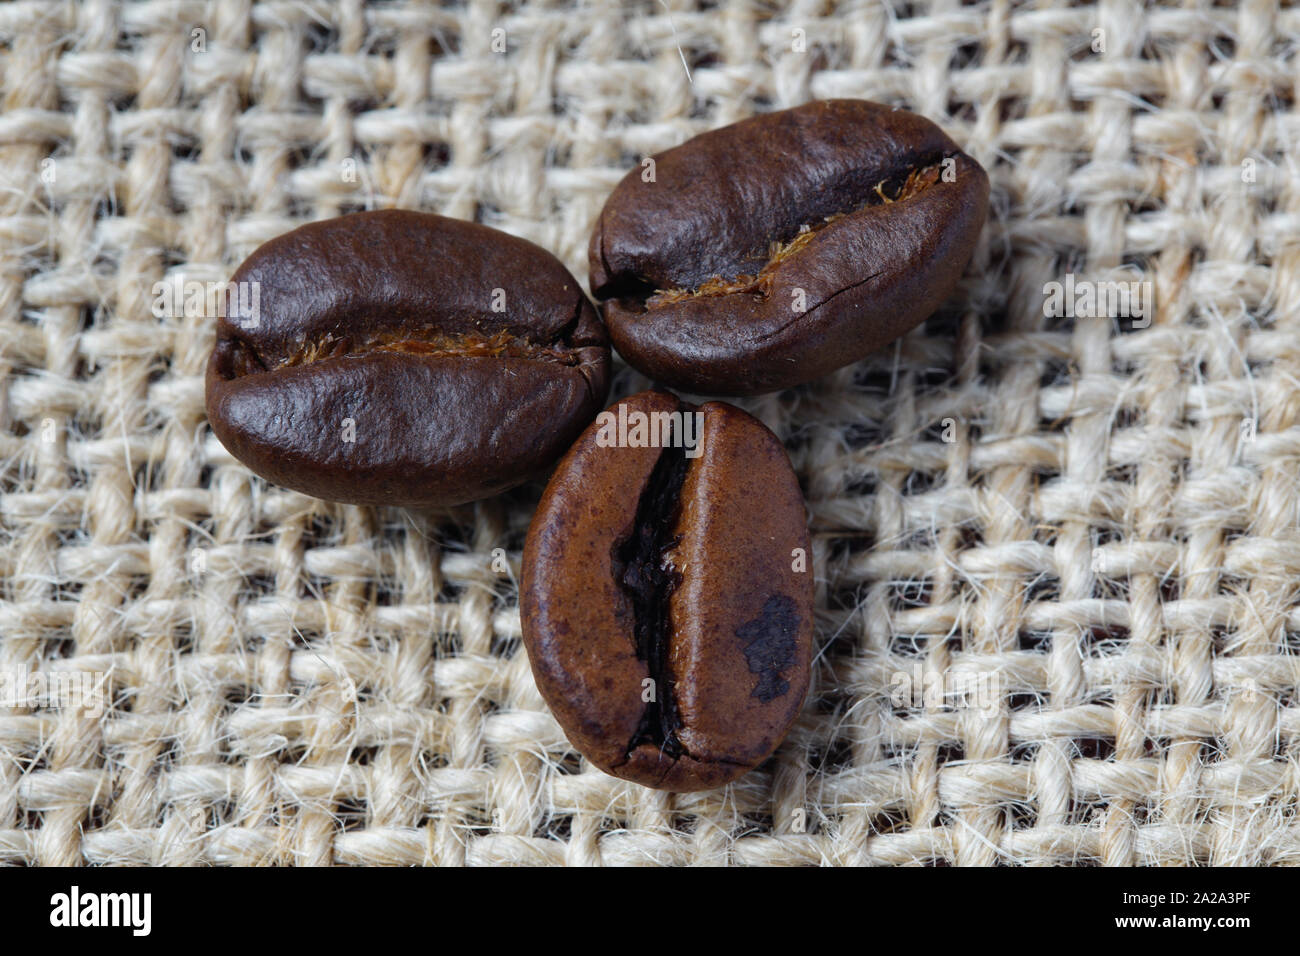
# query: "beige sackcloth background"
[[1075, 539]]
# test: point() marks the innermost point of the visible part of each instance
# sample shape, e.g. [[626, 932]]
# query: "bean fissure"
[[428, 343], [903, 186], [643, 571]]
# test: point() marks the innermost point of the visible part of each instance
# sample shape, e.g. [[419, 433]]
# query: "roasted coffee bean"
[[403, 358], [775, 250], [667, 595]]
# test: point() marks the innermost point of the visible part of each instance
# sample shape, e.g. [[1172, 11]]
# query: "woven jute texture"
[[1056, 557]]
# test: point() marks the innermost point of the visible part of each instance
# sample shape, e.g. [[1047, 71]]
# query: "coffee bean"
[[404, 358], [775, 250], [667, 594]]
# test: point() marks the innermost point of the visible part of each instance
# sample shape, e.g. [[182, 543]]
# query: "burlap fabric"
[[1056, 556]]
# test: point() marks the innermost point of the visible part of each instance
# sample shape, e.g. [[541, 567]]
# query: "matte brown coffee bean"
[[403, 358], [667, 596], [775, 250]]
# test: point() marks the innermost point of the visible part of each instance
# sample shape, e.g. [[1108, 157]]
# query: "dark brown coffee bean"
[[667, 597], [780, 248], [404, 358]]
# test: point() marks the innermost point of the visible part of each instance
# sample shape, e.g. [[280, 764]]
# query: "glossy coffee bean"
[[667, 595], [403, 358], [775, 250]]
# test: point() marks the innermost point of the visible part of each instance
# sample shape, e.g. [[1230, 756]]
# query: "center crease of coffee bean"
[[420, 343], [897, 188], [429, 343], [644, 572]]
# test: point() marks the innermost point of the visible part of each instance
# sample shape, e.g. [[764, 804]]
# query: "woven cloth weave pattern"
[[1089, 524]]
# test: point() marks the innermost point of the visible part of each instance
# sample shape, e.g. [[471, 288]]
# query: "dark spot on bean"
[[770, 643]]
